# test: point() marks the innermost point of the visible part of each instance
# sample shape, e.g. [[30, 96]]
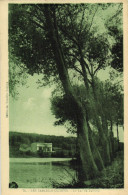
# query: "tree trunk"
[[104, 143], [117, 135], [112, 138], [103, 138], [103, 133], [108, 136], [89, 167], [88, 163], [104, 122], [96, 154]]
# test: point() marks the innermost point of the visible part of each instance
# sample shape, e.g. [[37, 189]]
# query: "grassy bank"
[[111, 177]]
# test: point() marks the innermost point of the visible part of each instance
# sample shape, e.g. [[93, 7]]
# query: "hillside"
[[65, 145]]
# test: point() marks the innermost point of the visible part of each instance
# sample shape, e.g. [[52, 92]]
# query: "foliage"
[[76, 32], [17, 75], [114, 25], [30, 45], [117, 49], [111, 97], [63, 110]]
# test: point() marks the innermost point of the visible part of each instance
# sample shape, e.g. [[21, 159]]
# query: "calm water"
[[40, 172]]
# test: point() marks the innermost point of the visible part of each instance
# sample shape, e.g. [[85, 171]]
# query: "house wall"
[[46, 147]]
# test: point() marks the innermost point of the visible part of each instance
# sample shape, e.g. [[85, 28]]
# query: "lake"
[[40, 172]]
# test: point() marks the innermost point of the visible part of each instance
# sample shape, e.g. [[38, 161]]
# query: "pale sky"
[[31, 111]]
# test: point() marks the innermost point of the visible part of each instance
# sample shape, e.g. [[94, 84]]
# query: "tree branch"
[[36, 23], [89, 81], [77, 69], [70, 54], [93, 17], [98, 68], [116, 14], [67, 34], [82, 21], [86, 65], [38, 7], [33, 21]]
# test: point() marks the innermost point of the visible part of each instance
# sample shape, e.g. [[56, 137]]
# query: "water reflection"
[[40, 174]]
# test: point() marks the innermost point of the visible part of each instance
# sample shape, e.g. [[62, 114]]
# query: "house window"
[[40, 148]]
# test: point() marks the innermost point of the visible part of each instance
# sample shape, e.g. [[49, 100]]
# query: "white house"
[[44, 147]]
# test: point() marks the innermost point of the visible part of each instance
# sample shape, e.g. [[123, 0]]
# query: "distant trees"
[[24, 141], [64, 45]]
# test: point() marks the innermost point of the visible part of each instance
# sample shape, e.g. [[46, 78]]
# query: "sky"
[[31, 111]]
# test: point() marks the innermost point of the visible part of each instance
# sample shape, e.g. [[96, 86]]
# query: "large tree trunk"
[[104, 142], [103, 137], [103, 133], [88, 164], [89, 167], [96, 154]]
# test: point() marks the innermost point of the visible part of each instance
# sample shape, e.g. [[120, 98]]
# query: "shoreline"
[[28, 160]]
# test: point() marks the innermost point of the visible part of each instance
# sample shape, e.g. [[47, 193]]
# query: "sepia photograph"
[[66, 95]]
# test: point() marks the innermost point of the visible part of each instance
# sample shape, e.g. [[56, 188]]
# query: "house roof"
[[44, 144]]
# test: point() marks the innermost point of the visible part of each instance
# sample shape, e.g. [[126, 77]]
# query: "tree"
[[62, 109], [110, 96], [93, 57]]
